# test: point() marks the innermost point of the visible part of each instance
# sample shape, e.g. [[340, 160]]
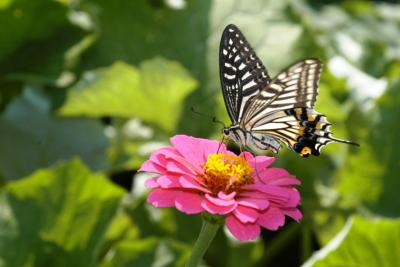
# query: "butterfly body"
[[266, 111], [248, 138]]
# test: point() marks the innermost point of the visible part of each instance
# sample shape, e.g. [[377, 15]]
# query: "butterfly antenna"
[[214, 119], [219, 122]]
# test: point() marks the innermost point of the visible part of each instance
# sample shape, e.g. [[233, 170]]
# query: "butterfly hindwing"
[[242, 73]]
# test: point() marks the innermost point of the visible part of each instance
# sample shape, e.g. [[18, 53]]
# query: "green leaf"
[[362, 242], [384, 139], [154, 92], [155, 29], [25, 20], [56, 217], [248, 254], [147, 252], [360, 185], [369, 176], [30, 138]]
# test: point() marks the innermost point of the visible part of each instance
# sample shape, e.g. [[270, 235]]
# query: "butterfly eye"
[[225, 131]]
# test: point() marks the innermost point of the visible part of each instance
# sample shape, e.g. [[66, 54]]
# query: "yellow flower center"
[[227, 173]]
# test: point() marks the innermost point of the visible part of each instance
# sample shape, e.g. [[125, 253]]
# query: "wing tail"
[[345, 141], [314, 133]]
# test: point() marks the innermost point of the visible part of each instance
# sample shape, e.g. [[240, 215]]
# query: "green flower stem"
[[207, 234]]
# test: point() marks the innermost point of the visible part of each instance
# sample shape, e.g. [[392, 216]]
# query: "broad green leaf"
[[31, 138], [362, 242], [134, 31], [154, 30], [25, 20], [154, 92], [55, 67], [56, 217]]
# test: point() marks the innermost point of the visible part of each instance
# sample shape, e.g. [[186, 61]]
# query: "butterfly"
[[265, 111]]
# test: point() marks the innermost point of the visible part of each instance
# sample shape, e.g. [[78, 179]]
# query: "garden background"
[[88, 88]]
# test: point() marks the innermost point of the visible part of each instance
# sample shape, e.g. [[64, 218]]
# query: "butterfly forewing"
[[299, 84], [242, 73]]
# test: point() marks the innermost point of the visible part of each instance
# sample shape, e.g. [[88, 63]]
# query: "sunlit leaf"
[[56, 217], [145, 29], [154, 92], [362, 242]]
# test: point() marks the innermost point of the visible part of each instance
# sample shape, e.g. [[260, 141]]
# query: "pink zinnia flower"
[[194, 178]]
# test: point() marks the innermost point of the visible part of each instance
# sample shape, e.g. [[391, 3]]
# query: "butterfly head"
[[234, 133], [226, 132]]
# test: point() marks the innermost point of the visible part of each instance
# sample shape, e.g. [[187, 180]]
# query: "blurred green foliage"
[[88, 88]]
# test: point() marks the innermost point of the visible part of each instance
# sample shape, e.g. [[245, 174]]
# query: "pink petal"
[[224, 196], [196, 150], [245, 214], [166, 152], [271, 219], [219, 201], [294, 199], [180, 167], [215, 209], [241, 231], [189, 202], [247, 156], [190, 183], [157, 160], [283, 181], [276, 194], [269, 174], [160, 198], [258, 163], [253, 194], [256, 203], [293, 213], [160, 156], [168, 181], [151, 183], [150, 166]]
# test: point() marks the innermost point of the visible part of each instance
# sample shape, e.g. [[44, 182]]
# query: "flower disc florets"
[[226, 173]]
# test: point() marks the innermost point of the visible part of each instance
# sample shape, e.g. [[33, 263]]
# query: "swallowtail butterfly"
[[265, 111]]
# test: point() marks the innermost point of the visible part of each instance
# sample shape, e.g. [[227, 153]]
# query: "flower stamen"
[[226, 173]]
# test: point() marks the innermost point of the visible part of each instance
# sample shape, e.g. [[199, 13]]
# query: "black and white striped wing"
[[284, 109], [297, 86], [242, 73]]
